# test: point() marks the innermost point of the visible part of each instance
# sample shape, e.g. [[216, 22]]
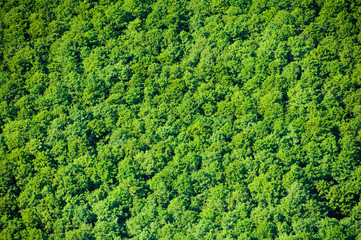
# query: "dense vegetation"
[[180, 119]]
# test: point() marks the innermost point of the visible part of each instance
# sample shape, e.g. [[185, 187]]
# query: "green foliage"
[[181, 119]]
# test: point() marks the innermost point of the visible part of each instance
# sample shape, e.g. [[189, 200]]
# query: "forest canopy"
[[180, 119]]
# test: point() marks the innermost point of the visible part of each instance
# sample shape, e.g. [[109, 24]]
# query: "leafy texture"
[[182, 119]]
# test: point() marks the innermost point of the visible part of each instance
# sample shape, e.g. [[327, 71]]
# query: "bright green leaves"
[[222, 119]]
